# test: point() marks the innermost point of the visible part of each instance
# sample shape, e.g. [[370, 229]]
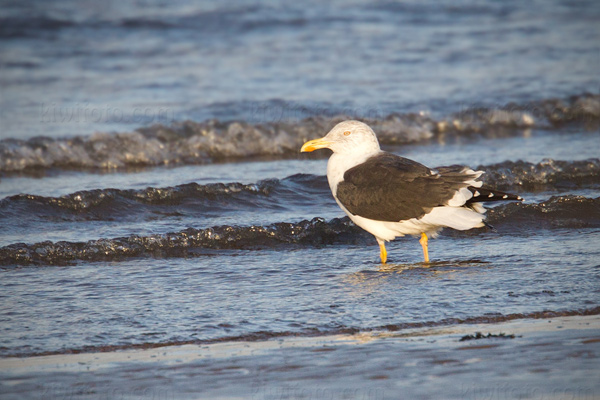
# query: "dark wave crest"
[[557, 212], [548, 174], [191, 198], [205, 142], [240, 19], [110, 203], [300, 192], [13, 27], [181, 244], [296, 191]]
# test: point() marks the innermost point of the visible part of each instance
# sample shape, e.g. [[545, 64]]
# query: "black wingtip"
[[482, 195]]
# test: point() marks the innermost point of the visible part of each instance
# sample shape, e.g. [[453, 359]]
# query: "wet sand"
[[535, 359]]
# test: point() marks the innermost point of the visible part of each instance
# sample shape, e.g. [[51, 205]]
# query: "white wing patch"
[[463, 194], [478, 207], [460, 198], [474, 175], [459, 218]]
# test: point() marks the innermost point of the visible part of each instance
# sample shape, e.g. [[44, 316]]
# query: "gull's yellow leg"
[[382, 252], [423, 242]]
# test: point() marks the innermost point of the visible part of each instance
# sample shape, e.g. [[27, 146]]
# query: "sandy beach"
[[533, 359]]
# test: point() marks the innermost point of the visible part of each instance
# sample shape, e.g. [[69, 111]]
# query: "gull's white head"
[[346, 137]]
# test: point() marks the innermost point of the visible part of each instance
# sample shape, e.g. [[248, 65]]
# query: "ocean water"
[[152, 193]]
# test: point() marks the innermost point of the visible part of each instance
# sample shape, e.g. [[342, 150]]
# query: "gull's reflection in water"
[[433, 266], [399, 272]]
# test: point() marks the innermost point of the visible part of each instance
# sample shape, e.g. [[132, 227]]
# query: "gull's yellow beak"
[[316, 144]]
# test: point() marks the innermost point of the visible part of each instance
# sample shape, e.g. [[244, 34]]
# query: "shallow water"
[[200, 231], [71, 68], [235, 294]]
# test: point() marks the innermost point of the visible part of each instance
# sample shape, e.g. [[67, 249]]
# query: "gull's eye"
[[347, 133]]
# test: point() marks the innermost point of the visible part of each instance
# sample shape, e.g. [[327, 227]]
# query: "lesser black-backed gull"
[[390, 196]]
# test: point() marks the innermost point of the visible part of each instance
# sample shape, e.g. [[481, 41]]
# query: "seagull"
[[391, 196]]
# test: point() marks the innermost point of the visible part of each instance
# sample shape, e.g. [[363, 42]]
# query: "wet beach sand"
[[533, 358]]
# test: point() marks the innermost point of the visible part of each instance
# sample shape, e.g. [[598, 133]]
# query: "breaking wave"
[[238, 20], [191, 142], [184, 243], [547, 174], [128, 204], [558, 212], [109, 203], [293, 191]]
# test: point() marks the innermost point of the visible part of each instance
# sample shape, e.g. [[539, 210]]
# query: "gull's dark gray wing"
[[387, 187]]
